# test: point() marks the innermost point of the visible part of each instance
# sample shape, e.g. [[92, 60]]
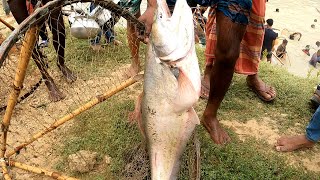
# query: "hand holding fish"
[[147, 19]]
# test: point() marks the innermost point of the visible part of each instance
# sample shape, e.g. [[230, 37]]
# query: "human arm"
[[147, 19]]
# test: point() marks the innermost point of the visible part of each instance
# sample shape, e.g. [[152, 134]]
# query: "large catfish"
[[171, 87]]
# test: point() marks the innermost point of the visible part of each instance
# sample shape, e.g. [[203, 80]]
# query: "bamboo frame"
[[37, 170], [23, 62], [5, 170], [98, 99]]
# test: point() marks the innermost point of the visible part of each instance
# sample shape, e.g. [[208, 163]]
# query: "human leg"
[[20, 12], [313, 129], [229, 36], [57, 28], [211, 37], [312, 136], [95, 43], [269, 55], [133, 6], [250, 48], [205, 82], [249, 58], [109, 30], [134, 43]]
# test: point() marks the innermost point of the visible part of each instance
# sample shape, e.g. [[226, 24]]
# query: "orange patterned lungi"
[[250, 48]]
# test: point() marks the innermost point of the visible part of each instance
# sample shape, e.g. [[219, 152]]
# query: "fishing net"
[[58, 98]]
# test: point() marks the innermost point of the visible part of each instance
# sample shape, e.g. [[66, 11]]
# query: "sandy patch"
[[262, 130]]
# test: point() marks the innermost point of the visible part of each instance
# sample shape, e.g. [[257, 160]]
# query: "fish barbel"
[[171, 87]]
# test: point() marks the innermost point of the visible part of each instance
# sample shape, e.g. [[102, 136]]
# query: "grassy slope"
[[105, 128]]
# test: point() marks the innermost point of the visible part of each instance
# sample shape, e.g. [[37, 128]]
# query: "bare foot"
[[217, 133], [67, 73], [265, 92], [54, 93], [291, 143], [132, 71]]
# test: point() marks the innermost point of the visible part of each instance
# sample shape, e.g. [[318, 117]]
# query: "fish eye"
[[160, 15]]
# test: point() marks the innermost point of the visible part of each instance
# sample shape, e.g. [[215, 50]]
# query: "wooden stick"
[[7, 24], [195, 173], [90, 104], [25, 54], [5, 170], [289, 59], [37, 170], [278, 58]]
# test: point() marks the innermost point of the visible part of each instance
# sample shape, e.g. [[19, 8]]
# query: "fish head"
[[160, 34], [172, 36]]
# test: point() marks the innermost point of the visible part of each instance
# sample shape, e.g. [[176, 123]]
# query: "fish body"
[[171, 87]]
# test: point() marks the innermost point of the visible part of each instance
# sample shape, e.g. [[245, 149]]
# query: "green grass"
[[87, 63], [106, 130]]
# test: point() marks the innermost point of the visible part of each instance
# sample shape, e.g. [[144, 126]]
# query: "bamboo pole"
[[24, 58], [277, 58], [98, 99], [5, 170], [7, 24], [37, 170]]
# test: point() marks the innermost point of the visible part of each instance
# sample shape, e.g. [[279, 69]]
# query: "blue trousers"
[[313, 129]]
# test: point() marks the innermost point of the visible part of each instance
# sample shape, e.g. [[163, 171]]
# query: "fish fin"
[[186, 95]]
